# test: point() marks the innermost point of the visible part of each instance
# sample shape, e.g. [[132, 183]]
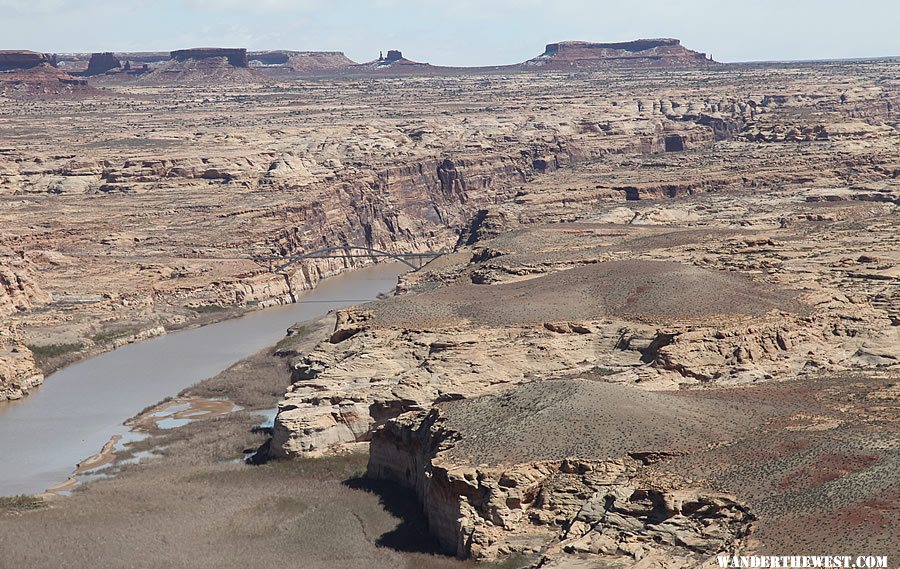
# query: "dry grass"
[[259, 381]]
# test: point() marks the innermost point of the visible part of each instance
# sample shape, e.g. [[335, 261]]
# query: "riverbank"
[[195, 504], [83, 406]]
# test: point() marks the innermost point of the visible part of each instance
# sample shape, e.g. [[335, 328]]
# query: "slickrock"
[[700, 263], [494, 319], [18, 293], [232, 173], [18, 290]]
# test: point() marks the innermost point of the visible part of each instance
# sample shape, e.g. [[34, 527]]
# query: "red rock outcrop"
[[40, 81], [299, 62], [237, 57], [11, 60], [396, 63], [204, 66], [102, 62], [643, 52]]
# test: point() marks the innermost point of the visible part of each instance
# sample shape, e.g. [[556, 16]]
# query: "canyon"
[[663, 324]]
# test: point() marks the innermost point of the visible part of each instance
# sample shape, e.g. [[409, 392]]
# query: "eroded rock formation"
[[18, 371], [664, 52], [237, 57], [29, 74], [203, 66], [11, 60], [481, 502], [102, 63]]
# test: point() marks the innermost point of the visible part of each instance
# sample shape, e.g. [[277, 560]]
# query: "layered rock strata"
[[234, 174], [602, 509], [18, 371], [236, 57], [664, 52], [12, 60]]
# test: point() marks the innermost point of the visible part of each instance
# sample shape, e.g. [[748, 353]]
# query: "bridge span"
[[412, 260]]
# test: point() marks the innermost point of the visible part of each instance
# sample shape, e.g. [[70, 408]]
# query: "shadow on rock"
[[411, 535]]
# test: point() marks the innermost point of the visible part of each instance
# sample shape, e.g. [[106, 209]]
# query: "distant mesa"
[[236, 57], [394, 62], [102, 63], [34, 74], [204, 65], [393, 55], [211, 65], [281, 62], [642, 52], [16, 60]]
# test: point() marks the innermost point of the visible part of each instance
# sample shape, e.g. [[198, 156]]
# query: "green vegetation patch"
[[109, 336], [22, 503], [208, 309], [50, 351], [286, 344]]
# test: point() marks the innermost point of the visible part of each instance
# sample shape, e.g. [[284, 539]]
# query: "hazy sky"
[[456, 32]]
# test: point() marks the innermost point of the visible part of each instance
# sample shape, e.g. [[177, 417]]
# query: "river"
[[80, 408]]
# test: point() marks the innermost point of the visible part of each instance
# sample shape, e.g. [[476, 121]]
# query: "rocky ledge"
[[541, 498]]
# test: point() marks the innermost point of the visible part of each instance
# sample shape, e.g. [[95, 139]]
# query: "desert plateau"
[[619, 305]]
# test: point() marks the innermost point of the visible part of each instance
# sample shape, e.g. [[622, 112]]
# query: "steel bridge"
[[278, 264], [412, 260]]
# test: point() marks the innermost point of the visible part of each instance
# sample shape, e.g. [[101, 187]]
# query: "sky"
[[457, 32]]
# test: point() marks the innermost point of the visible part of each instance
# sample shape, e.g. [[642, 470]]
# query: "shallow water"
[[80, 408]]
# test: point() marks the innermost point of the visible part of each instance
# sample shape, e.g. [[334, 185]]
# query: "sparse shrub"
[[21, 503], [43, 354], [208, 309]]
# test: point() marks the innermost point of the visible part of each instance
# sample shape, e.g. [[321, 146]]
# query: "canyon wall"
[[19, 292], [482, 507]]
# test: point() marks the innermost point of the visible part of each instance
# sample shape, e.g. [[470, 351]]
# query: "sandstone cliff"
[[11, 60], [201, 66], [540, 498], [18, 293], [665, 52], [18, 371], [236, 57], [299, 62]]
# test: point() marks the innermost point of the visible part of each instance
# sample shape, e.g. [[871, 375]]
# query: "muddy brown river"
[[80, 408]]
